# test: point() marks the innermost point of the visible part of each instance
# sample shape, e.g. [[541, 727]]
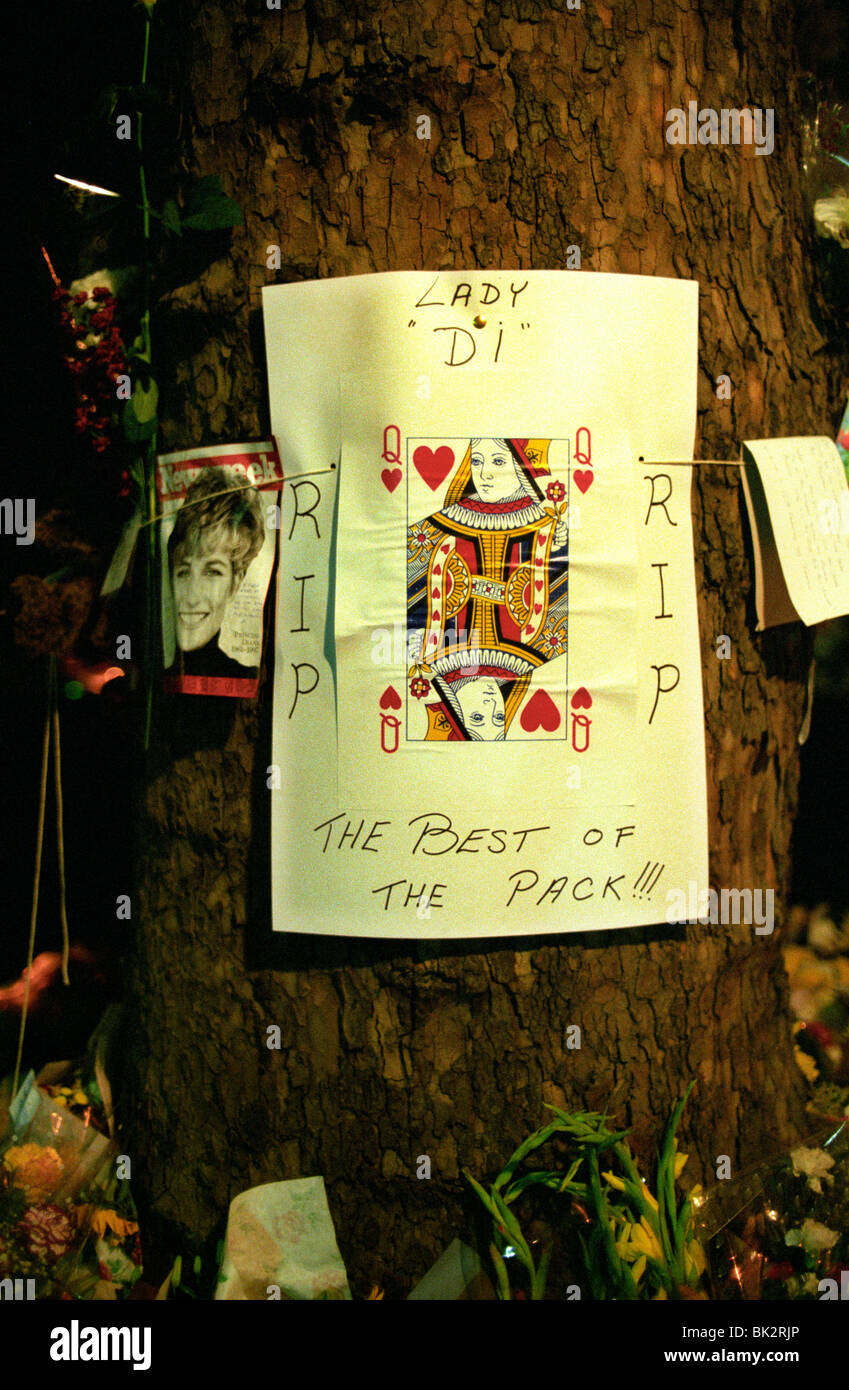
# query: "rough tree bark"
[[547, 131]]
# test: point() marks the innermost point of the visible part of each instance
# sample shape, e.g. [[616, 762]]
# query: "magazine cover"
[[218, 537]]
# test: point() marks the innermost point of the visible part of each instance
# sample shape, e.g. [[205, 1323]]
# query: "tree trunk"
[[547, 131]]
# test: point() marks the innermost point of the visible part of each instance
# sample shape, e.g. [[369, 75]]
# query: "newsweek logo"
[[75, 1343]]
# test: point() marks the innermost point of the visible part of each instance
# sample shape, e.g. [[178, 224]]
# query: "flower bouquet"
[[67, 1223], [781, 1231], [636, 1244]]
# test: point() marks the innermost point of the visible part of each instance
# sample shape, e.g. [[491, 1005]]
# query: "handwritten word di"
[[463, 345]]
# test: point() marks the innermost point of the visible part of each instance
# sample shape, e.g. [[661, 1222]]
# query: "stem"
[[149, 450], [145, 202], [500, 1273]]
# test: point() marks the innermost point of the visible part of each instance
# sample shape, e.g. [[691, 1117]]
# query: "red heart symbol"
[[436, 594], [433, 466], [582, 699], [437, 569], [583, 479], [390, 699], [538, 583], [446, 548], [435, 616], [391, 477], [540, 713], [537, 607]]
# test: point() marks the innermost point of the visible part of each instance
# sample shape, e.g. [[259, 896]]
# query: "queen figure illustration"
[[487, 589]]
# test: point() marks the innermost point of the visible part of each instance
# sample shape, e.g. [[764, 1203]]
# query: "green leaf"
[[137, 348], [554, 1180], [484, 1196], [139, 415], [507, 1219], [500, 1273], [538, 1281], [540, 1136], [171, 216], [144, 400], [208, 209]]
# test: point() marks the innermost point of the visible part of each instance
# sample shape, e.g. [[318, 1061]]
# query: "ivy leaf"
[[208, 209], [171, 216]]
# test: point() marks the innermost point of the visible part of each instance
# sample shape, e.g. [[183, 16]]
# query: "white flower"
[[831, 217], [814, 1164], [816, 1237]]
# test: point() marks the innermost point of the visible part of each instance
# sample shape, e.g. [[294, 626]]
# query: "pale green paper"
[[280, 1237], [618, 351]]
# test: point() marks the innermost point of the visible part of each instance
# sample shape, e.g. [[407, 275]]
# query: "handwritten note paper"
[[798, 499], [488, 703]]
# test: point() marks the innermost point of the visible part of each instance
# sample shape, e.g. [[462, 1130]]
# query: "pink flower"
[[49, 1231], [555, 492], [419, 687]]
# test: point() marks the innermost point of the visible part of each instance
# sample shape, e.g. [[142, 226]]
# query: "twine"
[[51, 718], [225, 492], [60, 833]]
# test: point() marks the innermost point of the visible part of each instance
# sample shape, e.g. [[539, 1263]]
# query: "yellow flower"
[[624, 1240], [680, 1160], [644, 1238], [806, 1063], [614, 1181], [105, 1219], [35, 1169], [649, 1195], [639, 1269]]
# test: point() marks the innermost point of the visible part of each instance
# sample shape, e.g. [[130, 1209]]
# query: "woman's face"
[[482, 706], [203, 581], [494, 475]]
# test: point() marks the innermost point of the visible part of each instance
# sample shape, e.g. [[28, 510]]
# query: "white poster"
[[488, 705]]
